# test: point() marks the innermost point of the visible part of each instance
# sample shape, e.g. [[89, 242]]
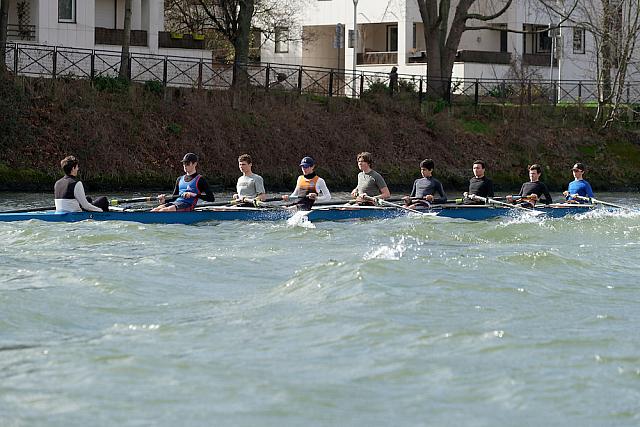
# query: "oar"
[[594, 200], [44, 208], [395, 205], [116, 202], [497, 202]]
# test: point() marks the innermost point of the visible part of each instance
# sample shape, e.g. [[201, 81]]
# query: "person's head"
[[578, 170], [394, 69], [189, 163], [307, 164], [426, 167], [534, 172], [69, 165], [365, 161], [244, 163], [478, 168]]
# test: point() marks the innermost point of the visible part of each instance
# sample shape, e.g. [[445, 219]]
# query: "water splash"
[[391, 252], [300, 219]]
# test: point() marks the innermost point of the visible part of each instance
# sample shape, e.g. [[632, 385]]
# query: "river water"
[[409, 321]]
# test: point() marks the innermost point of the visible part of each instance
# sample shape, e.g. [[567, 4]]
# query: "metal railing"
[[53, 62]]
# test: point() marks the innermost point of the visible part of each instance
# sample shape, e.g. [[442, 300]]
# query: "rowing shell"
[[320, 213]]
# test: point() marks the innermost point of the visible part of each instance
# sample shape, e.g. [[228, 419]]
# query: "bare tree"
[[126, 42], [4, 23], [614, 27], [443, 34], [236, 21]]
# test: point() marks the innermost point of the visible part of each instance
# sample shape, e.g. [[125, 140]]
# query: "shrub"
[[111, 84], [153, 86]]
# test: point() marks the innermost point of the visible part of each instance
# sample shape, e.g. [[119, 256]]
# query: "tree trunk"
[[126, 42], [4, 22], [241, 44]]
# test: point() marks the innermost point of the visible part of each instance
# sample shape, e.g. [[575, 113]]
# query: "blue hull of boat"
[[321, 213]]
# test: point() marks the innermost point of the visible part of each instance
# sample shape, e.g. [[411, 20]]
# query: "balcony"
[[538, 59], [21, 32], [377, 58], [115, 37], [170, 40], [483, 57]]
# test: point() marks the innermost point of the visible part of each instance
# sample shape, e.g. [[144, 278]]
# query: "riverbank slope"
[[132, 138]]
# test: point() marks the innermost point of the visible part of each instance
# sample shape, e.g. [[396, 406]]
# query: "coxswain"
[[310, 188]]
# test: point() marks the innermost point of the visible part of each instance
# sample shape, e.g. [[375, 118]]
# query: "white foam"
[[300, 219]]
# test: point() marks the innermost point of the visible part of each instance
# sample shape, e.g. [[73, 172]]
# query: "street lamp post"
[[355, 45]]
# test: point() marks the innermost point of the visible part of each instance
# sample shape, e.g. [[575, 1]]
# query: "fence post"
[[580, 92], [361, 84], [555, 93], [529, 93], [476, 93], [164, 72], [449, 91], [129, 67], [15, 59], [93, 65], [200, 74], [55, 62], [420, 97], [266, 78], [331, 83], [300, 80]]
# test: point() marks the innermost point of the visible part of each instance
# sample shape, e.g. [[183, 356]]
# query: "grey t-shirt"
[[250, 186], [370, 183]]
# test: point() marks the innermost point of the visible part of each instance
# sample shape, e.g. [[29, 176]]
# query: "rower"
[[69, 191], [579, 186], [189, 188], [250, 185], [370, 182], [479, 185], [531, 191], [425, 188], [310, 188]]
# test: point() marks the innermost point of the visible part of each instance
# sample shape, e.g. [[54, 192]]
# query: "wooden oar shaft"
[[498, 202], [602, 202], [40, 209]]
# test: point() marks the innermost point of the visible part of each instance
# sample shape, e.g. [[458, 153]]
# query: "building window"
[[282, 40], [66, 10], [544, 42], [392, 38], [414, 45], [578, 40]]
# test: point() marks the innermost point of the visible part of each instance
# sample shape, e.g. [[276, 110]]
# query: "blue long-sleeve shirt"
[[581, 188]]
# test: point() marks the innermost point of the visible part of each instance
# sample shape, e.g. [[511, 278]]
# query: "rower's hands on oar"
[[162, 198]]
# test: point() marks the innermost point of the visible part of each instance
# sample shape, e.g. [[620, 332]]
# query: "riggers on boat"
[[319, 213]]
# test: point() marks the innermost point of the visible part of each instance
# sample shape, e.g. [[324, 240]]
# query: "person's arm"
[[547, 195], [587, 187], [323, 192], [78, 193], [413, 190], [441, 193], [261, 193], [382, 186], [205, 191]]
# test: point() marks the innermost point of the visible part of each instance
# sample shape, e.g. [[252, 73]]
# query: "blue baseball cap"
[[307, 161]]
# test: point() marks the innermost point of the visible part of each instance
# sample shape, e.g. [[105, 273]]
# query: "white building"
[[98, 24], [391, 34]]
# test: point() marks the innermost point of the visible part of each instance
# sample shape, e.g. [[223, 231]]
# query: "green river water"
[[409, 321]]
